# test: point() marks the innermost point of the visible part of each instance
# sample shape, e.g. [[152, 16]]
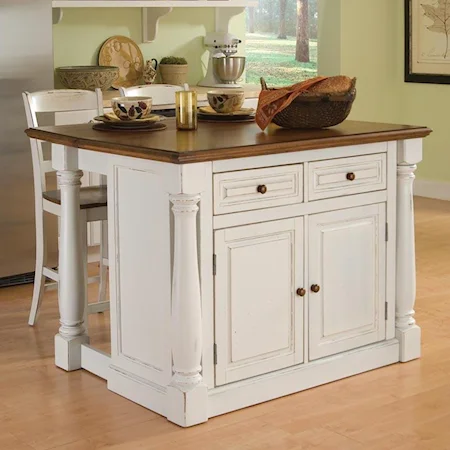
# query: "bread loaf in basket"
[[325, 104]]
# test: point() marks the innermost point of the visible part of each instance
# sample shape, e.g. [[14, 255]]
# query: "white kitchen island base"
[[247, 273], [263, 388]]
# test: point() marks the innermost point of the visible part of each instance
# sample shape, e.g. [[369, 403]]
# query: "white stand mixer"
[[220, 45]]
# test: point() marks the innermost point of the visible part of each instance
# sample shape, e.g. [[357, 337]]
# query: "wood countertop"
[[216, 141], [250, 91]]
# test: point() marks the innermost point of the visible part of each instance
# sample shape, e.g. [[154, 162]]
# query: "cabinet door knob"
[[301, 292], [315, 288], [351, 176], [262, 189]]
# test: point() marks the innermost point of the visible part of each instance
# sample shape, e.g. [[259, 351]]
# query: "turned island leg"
[[71, 289], [187, 394], [407, 332]]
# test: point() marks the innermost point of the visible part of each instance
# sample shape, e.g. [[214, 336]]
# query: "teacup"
[[150, 71], [226, 101], [132, 108]]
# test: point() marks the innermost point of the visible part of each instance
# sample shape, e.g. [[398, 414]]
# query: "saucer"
[[225, 118], [207, 110], [112, 118], [114, 126]]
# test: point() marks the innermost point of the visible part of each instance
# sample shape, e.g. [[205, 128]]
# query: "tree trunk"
[[251, 19], [302, 48], [282, 34]]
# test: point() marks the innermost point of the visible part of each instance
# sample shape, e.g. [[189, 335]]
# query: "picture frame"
[[427, 41]]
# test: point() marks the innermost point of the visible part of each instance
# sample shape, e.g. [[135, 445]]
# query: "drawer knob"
[[301, 292], [315, 288], [262, 189], [351, 176]]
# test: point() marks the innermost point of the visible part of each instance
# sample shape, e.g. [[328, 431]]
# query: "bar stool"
[[162, 94], [79, 107]]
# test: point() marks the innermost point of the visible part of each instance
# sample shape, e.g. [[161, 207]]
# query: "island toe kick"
[[240, 280]]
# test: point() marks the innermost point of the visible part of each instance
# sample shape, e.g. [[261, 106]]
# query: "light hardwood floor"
[[401, 407]]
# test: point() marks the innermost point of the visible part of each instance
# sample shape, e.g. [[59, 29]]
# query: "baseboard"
[[263, 388], [144, 393], [277, 384], [439, 190]]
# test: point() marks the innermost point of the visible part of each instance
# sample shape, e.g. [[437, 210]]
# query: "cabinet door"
[[347, 251], [258, 316]]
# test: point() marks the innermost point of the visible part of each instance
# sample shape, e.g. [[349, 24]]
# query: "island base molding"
[[260, 389]]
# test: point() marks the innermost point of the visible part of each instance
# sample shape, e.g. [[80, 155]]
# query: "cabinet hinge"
[[386, 305], [387, 232], [214, 265], [215, 354]]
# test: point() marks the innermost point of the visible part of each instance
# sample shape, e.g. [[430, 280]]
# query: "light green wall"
[[79, 36], [371, 47], [369, 52]]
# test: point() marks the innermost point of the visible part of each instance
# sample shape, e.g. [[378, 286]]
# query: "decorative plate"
[[131, 125], [207, 110], [149, 126], [112, 118], [124, 53]]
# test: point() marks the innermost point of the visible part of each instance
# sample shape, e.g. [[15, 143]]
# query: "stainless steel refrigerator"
[[26, 64]]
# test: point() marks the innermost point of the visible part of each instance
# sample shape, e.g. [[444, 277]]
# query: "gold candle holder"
[[186, 110]]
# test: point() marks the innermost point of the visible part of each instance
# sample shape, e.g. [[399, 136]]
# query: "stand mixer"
[[224, 69]]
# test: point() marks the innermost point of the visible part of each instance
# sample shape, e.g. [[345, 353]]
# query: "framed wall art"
[[427, 39]]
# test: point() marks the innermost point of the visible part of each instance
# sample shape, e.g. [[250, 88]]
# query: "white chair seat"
[[90, 197]]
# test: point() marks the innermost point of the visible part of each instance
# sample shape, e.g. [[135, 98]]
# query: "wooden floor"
[[403, 407]]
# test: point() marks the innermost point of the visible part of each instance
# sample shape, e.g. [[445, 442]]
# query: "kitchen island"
[[244, 265]]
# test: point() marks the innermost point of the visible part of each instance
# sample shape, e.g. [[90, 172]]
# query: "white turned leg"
[[187, 394], [407, 332], [72, 282]]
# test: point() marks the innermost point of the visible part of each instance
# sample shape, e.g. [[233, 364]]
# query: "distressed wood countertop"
[[218, 141]]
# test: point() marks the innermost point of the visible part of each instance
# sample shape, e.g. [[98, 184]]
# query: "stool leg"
[[39, 279], [84, 255], [103, 257]]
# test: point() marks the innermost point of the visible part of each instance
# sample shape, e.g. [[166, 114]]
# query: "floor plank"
[[400, 407]]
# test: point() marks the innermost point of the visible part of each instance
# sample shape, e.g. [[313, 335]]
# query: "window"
[[281, 41]]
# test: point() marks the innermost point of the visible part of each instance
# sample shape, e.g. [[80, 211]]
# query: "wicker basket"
[[311, 110]]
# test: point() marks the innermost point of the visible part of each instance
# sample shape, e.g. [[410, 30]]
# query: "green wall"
[[80, 34], [371, 47], [362, 38]]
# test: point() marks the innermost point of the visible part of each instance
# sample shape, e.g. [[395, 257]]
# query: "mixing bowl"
[[229, 69], [88, 77]]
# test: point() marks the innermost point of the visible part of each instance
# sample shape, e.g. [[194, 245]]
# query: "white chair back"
[[161, 94], [74, 106]]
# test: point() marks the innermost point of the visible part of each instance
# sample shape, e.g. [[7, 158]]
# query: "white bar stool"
[[162, 94], [81, 106]]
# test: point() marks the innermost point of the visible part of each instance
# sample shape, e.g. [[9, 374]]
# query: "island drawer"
[[246, 190], [347, 176]]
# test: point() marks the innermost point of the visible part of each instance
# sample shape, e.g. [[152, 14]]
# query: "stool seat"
[[90, 197]]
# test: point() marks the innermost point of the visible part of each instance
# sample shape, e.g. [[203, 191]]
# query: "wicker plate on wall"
[[124, 53]]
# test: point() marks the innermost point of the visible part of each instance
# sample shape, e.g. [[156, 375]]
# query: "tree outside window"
[[282, 41]]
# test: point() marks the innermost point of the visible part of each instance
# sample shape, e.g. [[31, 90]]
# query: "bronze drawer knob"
[[315, 288], [262, 189], [301, 292], [351, 176]]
